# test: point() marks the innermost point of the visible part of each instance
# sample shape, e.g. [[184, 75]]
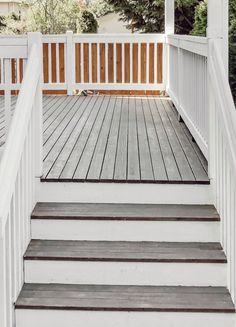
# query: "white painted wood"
[[222, 152], [187, 84], [102, 230], [57, 318], [218, 26], [69, 62], [125, 273], [17, 185], [169, 16], [124, 193]]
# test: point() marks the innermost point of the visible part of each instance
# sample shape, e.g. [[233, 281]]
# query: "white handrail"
[[226, 110], [222, 156], [19, 169], [15, 140]]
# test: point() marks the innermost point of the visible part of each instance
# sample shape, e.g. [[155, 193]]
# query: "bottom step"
[[123, 306]]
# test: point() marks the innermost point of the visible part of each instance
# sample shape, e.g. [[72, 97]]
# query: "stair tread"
[[124, 211], [125, 298], [125, 251]]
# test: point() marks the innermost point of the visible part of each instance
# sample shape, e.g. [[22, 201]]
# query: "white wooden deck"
[[117, 139]]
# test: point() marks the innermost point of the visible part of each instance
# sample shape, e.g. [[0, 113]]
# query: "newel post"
[[36, 38], [169, 29], [217, 31], [69, 62]]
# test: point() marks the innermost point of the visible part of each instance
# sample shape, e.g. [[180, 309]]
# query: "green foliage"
[[232, 56], [99, 8], [87, 22], [148, 15], [12, 24], [200, 20], [55, 16]]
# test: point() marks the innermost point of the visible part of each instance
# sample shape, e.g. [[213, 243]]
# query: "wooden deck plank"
[[125, 251], [75, 156], [53, 134], [169, 160], [146, 170], [65, 142], [194, 162], [141, 140], [84, 164], [100, 150], [120, 172], [155, 150], [181, 160], [133, 172], [156, 212], [60, 163], [125, 298], [110, 155]]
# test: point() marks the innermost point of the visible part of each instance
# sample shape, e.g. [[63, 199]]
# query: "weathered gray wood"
[[99, 152], [120, 172], [146, 169], [84, 164], [133, 172], [125, 251], [125, 211], [196, 166], [169, 160], [110, 154], [61, 143], [158, 164], [62, 158], [125, 298], [75, 156], [181, 160]]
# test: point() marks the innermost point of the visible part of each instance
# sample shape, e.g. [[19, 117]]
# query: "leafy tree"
[[54, 16], [87, 22], [13, 24], [99, 8], [200, 20], [148, 15]]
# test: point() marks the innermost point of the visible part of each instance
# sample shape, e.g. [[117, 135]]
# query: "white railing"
[[222, 157], [103, 62], [19, 167], [13, 56], [187, 84]]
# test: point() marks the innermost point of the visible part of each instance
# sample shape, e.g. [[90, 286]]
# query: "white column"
[[36, 38], [169, 16], [69, 62], [218, 21]]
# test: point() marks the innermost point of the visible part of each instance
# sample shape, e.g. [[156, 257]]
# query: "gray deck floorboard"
[[116, 139]]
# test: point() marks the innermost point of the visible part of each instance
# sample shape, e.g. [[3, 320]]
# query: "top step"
[[152, 212]]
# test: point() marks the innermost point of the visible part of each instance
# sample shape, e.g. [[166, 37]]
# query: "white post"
[[217, 30], [169, 29], [36, 38], [169, 17], [7, 94], [218, 21], [69, 62]]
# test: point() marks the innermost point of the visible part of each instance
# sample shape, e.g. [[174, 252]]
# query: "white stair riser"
[[159, 231], [125, 273], [56, 318], [124, 193]]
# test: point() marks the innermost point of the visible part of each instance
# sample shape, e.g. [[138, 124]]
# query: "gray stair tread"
[[125, 251], [125, 298], [125, 211]]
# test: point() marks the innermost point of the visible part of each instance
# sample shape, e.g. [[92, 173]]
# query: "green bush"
[[87, 22]]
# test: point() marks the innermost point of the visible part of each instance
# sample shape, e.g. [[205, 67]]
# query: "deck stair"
[[124, 265]]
